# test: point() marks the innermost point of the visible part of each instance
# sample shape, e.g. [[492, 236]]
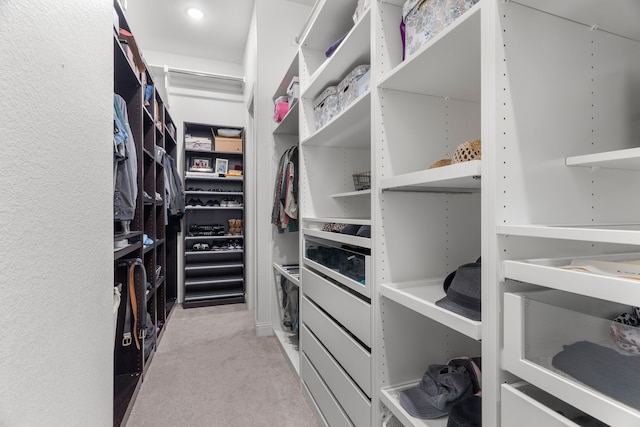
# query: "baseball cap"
[[440, 388]]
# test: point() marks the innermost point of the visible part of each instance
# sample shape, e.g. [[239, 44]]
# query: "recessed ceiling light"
[[195, 13]]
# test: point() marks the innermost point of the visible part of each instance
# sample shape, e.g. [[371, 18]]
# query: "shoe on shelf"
[[200, 247], [158, 197]]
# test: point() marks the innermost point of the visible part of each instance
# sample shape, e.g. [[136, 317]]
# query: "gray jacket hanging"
[[125, 163]]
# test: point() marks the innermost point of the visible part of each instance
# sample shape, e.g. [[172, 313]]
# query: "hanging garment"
[[125, 188], [285, 201], [174, 190]]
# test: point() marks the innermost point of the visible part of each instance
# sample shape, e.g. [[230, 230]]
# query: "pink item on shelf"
[[281, 109]]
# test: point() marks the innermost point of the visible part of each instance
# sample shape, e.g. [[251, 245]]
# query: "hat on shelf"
[[440, 388], [466, 413], [463, 293], [467, 151]]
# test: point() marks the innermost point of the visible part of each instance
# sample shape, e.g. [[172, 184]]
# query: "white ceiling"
[[164, 26]]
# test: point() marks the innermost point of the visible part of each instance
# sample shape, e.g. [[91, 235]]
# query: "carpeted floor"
[[211, 370]]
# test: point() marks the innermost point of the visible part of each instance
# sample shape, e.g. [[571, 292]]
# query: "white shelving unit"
[[557, 193], [552, 91], [285, 245]]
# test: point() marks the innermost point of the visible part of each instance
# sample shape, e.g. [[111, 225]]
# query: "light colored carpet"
[[211, 370]]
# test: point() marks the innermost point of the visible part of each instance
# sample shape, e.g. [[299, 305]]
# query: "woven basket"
[[467, 151]]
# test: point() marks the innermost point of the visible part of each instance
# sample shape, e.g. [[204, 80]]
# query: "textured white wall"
[[275, 51], [56, 255]]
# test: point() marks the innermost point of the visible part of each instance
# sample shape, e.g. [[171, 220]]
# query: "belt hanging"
[[131, 306]]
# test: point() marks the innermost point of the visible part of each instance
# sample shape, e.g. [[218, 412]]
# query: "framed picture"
[[200, 164], [222, 166]]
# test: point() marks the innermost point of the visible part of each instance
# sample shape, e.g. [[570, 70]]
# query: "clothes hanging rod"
[[239, 79]]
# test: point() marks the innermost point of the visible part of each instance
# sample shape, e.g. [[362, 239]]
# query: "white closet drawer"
[[559, 342], [522, 410], [353, 401], [352, 312], [330, 409], [354, 359]]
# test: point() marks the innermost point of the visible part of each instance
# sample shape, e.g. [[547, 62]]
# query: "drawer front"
[[521, 410], [352, 312], [353, 401], [355, 360], [331, 410]]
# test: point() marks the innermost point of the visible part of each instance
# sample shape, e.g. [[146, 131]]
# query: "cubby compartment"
[[597, 74], [564, 344], [413, 342], [419, 130], [416, 249], [329, 172]]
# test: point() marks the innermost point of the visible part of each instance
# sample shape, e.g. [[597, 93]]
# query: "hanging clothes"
[[173, 188], [125, 163], [284, 214]]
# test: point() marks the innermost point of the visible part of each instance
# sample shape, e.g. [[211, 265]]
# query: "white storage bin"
[[563, 344], [347, 88], [326, 106], [293, 91], [424, 19]]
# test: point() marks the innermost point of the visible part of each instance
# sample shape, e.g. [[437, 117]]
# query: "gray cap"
[[441, 387], [463, 291]]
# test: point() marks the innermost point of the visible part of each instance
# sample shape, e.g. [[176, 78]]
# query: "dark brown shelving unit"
[[214, 276], [153, 132]]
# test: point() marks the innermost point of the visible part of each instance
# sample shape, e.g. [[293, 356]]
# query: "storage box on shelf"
[[214, 219]]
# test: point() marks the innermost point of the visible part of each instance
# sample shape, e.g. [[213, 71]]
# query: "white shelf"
[[390, 397], [353, 194], [288, 76], [290, 346], [448, 65], [290, 123], [295, 279], [332, 20], [347, 239], [628, 159], [548, 273], [421, 297], [354, 221], [624, 234], [352, 52], [459, 177], [212, 176], [347, 128]]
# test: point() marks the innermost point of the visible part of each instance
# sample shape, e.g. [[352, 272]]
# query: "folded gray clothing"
[[603, 369]]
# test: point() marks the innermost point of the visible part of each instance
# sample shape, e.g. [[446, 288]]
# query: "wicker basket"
[[362, 181]]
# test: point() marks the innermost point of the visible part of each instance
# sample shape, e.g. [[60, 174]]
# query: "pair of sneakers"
[[200, 247]]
